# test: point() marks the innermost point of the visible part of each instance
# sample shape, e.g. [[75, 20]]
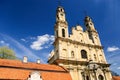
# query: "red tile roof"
[[14, 69], [116, 77]]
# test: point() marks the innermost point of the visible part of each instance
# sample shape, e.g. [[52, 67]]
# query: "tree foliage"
[[7, 53]]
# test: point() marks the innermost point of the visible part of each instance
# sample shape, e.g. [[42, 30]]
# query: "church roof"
[[116, 77], [17, 70]]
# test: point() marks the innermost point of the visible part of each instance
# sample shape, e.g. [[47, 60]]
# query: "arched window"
[[63, 32], [61, 10], [72, 54], [84, 54], [100, 77], [87, 78]]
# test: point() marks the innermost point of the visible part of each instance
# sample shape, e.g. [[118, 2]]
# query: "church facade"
[[81, 51]]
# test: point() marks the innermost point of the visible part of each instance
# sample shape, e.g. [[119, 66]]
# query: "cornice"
[[77, 43]]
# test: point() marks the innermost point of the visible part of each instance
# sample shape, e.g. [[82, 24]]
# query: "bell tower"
[[60, 14], [61, 26], [89, 24], [92, 32]]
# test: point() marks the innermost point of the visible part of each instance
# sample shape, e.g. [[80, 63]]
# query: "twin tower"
[[80, 52]]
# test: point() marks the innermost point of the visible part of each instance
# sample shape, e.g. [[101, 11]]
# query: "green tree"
[[7, 53]]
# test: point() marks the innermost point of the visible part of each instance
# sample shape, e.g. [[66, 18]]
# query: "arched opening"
[[100, 77], [84, 54], [63, 32], [87, 78]]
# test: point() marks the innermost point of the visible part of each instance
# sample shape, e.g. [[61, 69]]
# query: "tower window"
[[90, 23], [72, 54], [63, 32], [61, 14], [86, 24], [100, 77], [95, 57], [61, 10], [84, 54]]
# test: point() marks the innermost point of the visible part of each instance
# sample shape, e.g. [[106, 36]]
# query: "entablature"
[[77, 43]]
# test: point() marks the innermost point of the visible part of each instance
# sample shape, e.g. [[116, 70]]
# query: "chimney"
[[38, 61], [25, 59]]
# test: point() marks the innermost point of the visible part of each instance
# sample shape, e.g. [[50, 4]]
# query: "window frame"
[[63, 32]]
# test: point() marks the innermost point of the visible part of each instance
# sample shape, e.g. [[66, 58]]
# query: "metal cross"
[[85, 13], [59, 2]]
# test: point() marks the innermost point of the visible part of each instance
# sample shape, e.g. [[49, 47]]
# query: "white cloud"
[[28, 39], [114, 64], [118, 68], [3, 43], [43, 41], [113, 48], [23, 40], [32, 38]]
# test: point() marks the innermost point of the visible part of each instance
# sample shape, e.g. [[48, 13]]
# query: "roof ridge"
[[64, 68]]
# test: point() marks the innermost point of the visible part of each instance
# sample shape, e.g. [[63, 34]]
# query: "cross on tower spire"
[[85, 13], [59, 3]]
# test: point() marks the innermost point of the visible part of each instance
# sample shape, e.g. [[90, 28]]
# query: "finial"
[[85, 13], [77, 22], [59, 2]]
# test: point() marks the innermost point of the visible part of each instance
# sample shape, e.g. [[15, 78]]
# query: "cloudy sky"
[[27, 26]]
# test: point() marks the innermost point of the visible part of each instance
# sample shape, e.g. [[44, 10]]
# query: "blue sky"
[[27, 26]]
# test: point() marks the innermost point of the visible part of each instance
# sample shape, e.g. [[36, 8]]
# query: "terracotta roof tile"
[[29, 65], [8, 73], [116, 77], [17, 70], [57, 76]]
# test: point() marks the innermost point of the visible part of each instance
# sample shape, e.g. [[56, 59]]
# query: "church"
[[76, 56], [81, 51]]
